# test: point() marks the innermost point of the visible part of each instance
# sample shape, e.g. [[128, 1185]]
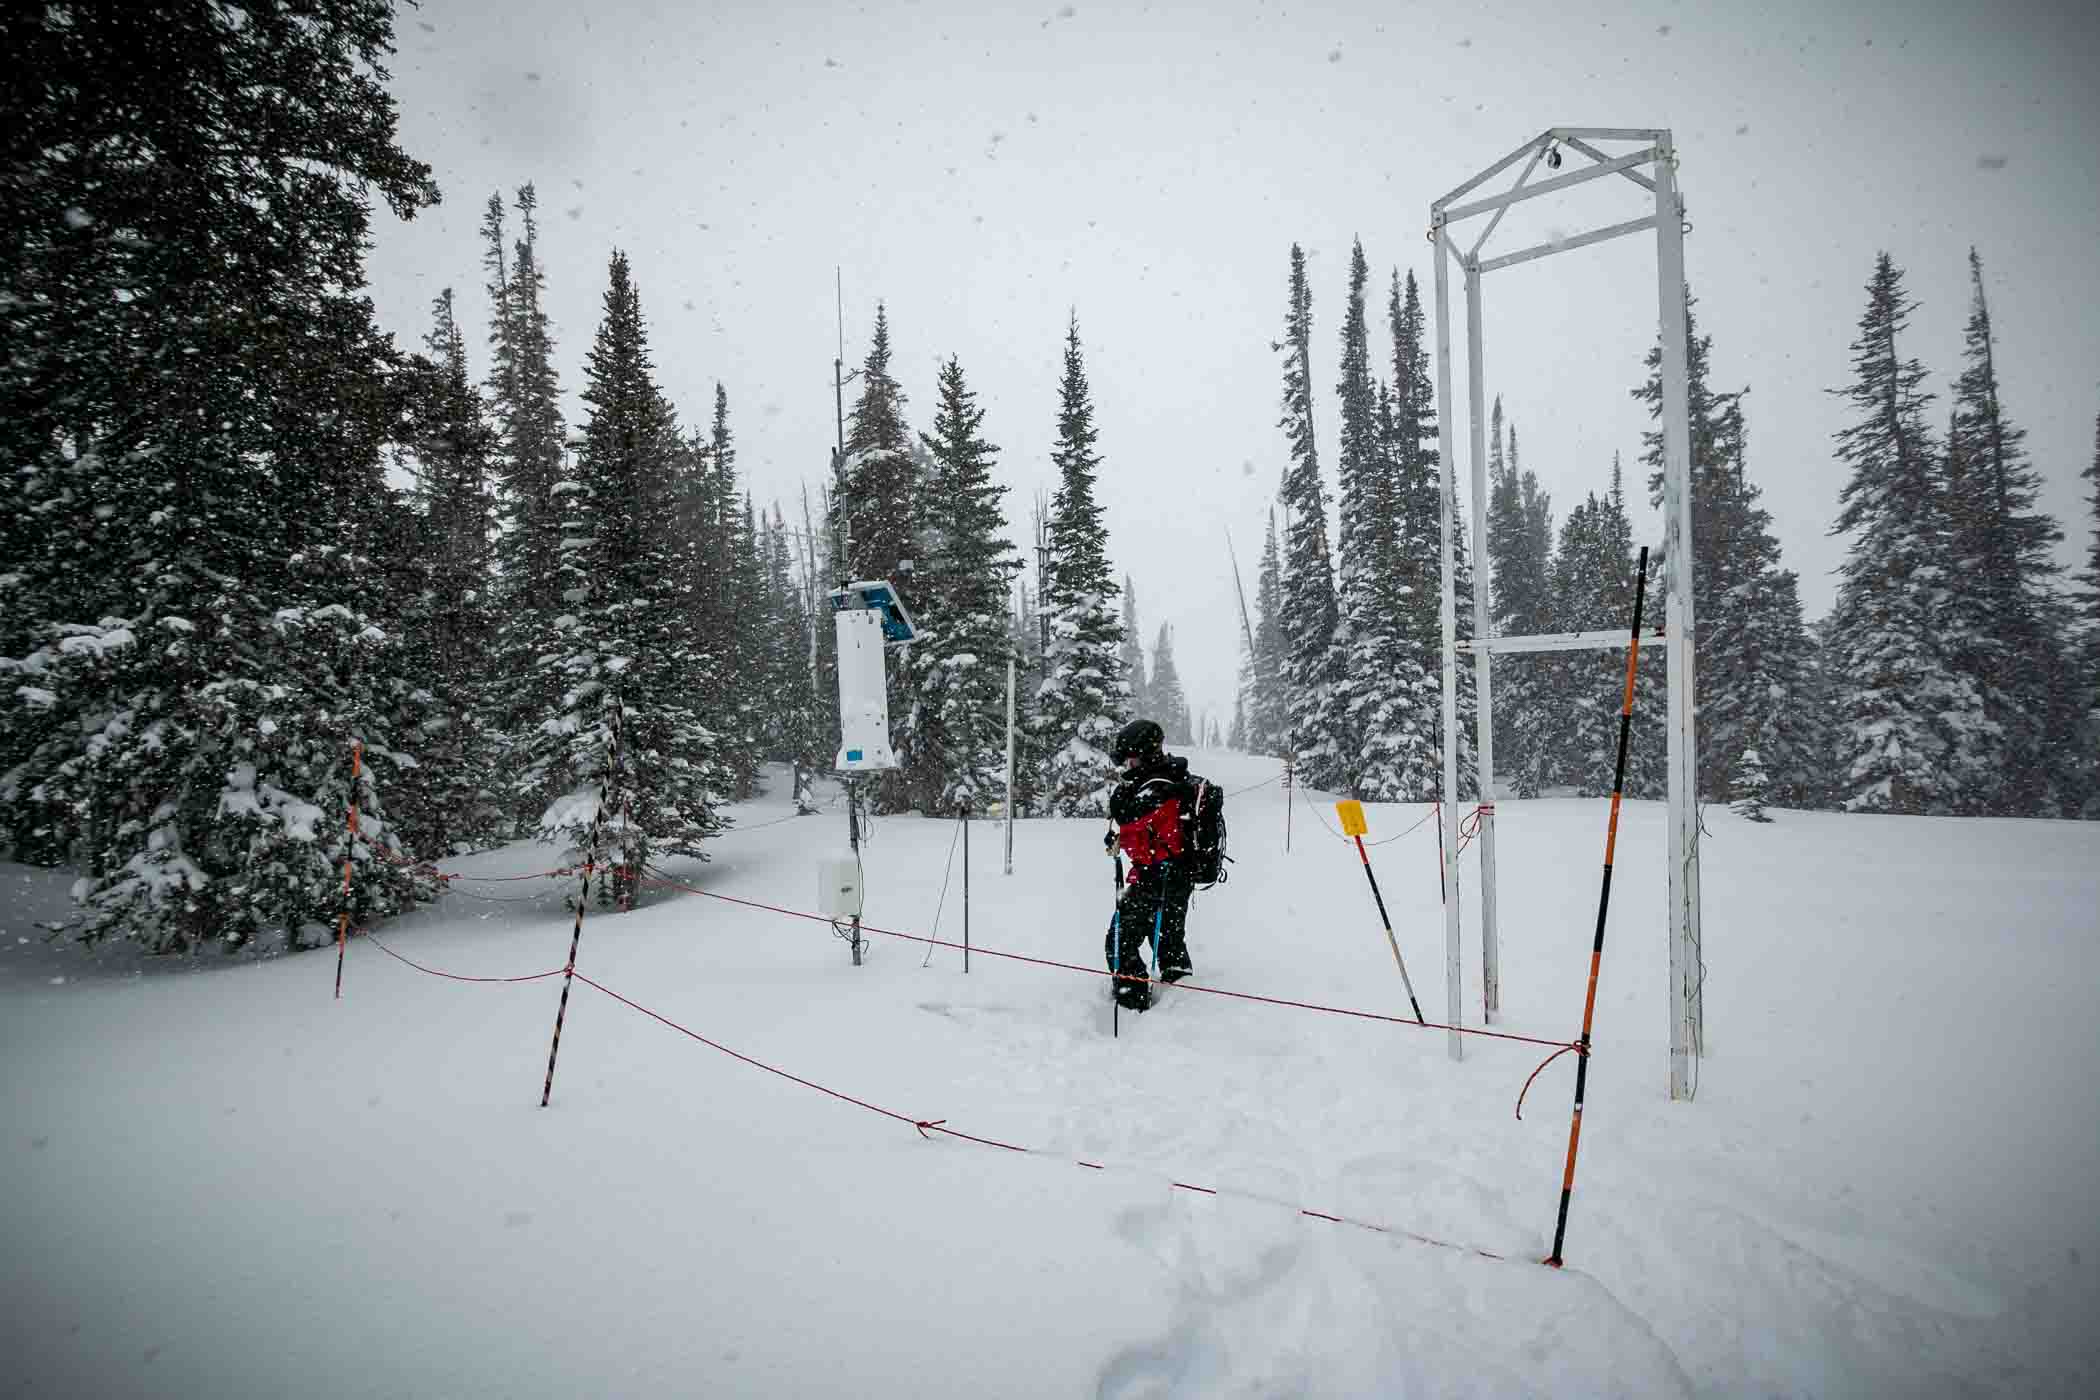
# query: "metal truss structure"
[[1654, 151]]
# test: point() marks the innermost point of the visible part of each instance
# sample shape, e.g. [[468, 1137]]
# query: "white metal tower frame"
[[1653, 149]]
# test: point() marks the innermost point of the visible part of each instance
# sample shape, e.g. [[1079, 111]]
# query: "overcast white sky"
[[987, 168]]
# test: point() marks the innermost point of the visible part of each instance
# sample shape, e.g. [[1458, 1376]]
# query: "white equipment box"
[[838, 887]]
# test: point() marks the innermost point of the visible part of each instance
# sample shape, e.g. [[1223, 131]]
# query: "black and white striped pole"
[[583, 897]]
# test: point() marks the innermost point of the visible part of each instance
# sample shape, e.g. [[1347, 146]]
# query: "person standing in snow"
[[1151, 809]]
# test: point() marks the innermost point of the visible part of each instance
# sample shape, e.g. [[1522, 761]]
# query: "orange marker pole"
[[342, 922], [1611, 841]]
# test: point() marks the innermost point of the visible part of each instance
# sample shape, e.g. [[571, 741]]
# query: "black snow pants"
[[1155, 904]]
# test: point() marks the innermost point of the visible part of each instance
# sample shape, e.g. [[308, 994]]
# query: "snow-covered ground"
[[218, 1181]]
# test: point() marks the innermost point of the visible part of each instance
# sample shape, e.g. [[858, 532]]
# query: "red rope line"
[[928, 1126], [453, 976], [1099, 972], [1577, 1047], [924, 1125]]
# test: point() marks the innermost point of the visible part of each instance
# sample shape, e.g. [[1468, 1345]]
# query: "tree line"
[[245, 531], [1957, 673]]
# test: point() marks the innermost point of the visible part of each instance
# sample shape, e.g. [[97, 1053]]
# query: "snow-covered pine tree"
[[1377, 681], [1306, 589], [1909, 720], [1084, 698], [1468, 686], [1592, 584], [2014, 625], [525, 399], [1747, 786], [1751, 644], [961, 587], [1419, 543], [1141, 700], [624, 664], [451, 800], [796, 736], [1170, 703], [741, 726], [1026, 632], [2086, 644], [1520, 547], [188, 673], [1415, 565], [1268, 712]]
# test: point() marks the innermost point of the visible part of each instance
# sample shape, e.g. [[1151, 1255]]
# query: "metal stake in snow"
[[342, 923], [966, 886], [583, 897], [1009, 765], [1354, 826], [1611, 841]]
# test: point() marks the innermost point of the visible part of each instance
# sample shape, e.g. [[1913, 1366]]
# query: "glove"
[[1108, 842]]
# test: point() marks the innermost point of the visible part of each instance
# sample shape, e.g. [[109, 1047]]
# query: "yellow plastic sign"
[[1352, 815]]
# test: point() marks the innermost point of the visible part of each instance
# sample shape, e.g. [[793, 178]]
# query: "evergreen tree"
[[1591, 589], [1307, 588], [1909, 719], [1520, 546], [1751, 644], [2087, 645], [1747, 787], [1268, 715], [1084, 697], [621, 666], [2012, 627], [1380, 684], [1027, 634], [1141, 697], [878, 488], [1412, 757], [746, 717], [1170, 705], [962, 585], [525, 398], [196, 625], [451, 799], [796, 734]]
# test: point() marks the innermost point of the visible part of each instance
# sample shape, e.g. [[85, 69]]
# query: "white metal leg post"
[[1678, 627], [1476, 397], [1656, 150], [1447, 615]]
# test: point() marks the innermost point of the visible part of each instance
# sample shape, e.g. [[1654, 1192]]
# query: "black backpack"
[[1206, 859]]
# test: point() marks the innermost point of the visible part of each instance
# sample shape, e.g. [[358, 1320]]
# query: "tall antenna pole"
[[1246, 627], [838, 364], [1042, 575]]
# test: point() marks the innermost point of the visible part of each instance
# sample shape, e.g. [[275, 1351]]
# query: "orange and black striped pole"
[[1611, 841], [342, 922]]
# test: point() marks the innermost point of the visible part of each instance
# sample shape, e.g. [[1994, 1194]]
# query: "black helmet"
[[1141, 739]]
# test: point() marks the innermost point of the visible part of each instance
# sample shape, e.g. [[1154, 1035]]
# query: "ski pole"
[[1391, 941], [1611, 840], [1115, 1002]]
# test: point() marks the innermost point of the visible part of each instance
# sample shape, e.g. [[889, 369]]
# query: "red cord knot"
[[923, 1124]]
